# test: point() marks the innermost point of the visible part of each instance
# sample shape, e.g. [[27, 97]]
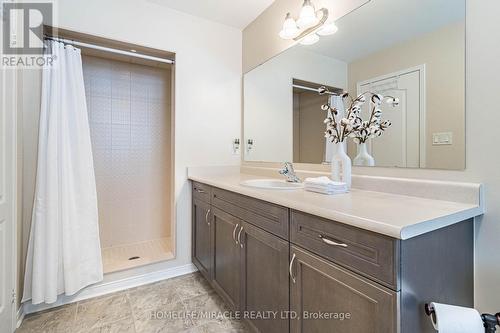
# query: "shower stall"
[[129, 92], [129, 107]]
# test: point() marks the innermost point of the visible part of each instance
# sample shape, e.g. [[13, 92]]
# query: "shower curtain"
[[64, 253], [330, 147]]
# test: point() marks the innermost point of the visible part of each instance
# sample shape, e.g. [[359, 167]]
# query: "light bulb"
[[309, 39], [307, 17], [327, 29], [290, 29]]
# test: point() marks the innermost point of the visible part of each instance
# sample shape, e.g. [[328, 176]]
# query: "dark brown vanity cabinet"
[[332, 299], [309, 274], [201, 240], [265, 283], [226, 277]]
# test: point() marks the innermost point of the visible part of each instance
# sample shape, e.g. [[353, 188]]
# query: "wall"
[[482, 161], [269, 97], [442, 52], [207, 93]]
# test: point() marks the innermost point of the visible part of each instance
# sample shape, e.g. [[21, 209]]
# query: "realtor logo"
[[23, 27]]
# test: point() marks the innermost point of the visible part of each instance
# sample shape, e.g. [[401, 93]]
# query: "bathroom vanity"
[[321, 267]]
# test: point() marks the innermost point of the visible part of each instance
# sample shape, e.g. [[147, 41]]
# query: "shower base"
[[127, 256]]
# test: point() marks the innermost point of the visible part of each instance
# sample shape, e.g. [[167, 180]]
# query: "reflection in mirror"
[[410, 49]]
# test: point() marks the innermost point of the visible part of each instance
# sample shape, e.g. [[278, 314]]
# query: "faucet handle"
[[289, 172], [287, 168]]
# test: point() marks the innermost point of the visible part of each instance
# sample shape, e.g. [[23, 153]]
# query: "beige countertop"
[[395, 215]]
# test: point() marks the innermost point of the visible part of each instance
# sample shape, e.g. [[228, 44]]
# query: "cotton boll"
[[344, 121], [377, 99], [357, 122], [393, 100], [325, 107]]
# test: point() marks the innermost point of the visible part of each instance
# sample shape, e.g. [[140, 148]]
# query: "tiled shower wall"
[[129, 109]]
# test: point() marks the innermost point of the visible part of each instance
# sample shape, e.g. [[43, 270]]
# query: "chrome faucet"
[[289, 173]]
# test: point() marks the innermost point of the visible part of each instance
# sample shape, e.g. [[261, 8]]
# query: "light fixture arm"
[[321, 22]]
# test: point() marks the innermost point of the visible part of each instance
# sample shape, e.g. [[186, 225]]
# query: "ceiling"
[[382, 23], [234, 13]]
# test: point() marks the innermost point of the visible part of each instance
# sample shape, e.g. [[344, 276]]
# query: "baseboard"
[[108, 288], [20, 316]]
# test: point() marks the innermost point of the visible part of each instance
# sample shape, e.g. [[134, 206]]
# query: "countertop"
[[395, 215]]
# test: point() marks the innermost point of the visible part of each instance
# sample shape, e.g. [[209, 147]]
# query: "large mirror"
[[413, 50]]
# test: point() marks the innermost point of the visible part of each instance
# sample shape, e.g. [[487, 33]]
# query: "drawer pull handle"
[[199, 190], [234, 233], [239, 237], [330, 242], [206, 217], [290, 268]]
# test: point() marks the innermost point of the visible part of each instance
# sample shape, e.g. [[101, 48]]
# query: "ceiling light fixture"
[[309, 26], [307, 17]]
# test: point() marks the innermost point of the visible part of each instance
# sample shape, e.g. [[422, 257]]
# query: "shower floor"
[[117, 258]]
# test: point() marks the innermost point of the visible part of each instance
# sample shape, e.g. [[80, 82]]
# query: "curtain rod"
[[110, 50], [315, 90]]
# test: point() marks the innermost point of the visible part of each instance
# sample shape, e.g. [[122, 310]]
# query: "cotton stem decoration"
[[352, 125]]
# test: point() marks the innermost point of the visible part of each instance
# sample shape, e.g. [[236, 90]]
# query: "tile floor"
[[157, 307]]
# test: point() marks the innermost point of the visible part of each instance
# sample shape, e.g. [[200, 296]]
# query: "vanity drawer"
[[372, 255], [268, 216], [202, 192]]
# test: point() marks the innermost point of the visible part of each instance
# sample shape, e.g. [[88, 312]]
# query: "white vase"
[[341, 165], [363, 158]]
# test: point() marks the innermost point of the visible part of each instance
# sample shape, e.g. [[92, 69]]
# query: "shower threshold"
[[117, 258]]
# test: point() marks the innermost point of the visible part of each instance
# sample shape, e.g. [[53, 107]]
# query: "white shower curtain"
[[64, 253], [336, 102]]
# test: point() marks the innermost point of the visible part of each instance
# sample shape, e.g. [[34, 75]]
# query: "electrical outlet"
[[440, 139]]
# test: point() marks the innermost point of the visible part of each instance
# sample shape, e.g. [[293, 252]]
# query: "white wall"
[[268, 100], [482, 144], [208, 87]]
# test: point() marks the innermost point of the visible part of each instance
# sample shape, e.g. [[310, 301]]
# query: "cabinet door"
[[265, 283], [323, 295], [226, 257], [201, 250]]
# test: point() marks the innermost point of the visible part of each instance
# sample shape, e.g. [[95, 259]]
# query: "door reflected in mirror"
[[410, 49]]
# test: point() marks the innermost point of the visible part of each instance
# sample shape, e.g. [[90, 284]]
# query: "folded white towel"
[[323, 191], [325, 185], [323, 181]]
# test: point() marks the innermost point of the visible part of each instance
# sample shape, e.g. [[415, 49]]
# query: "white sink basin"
[[272, 184]]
